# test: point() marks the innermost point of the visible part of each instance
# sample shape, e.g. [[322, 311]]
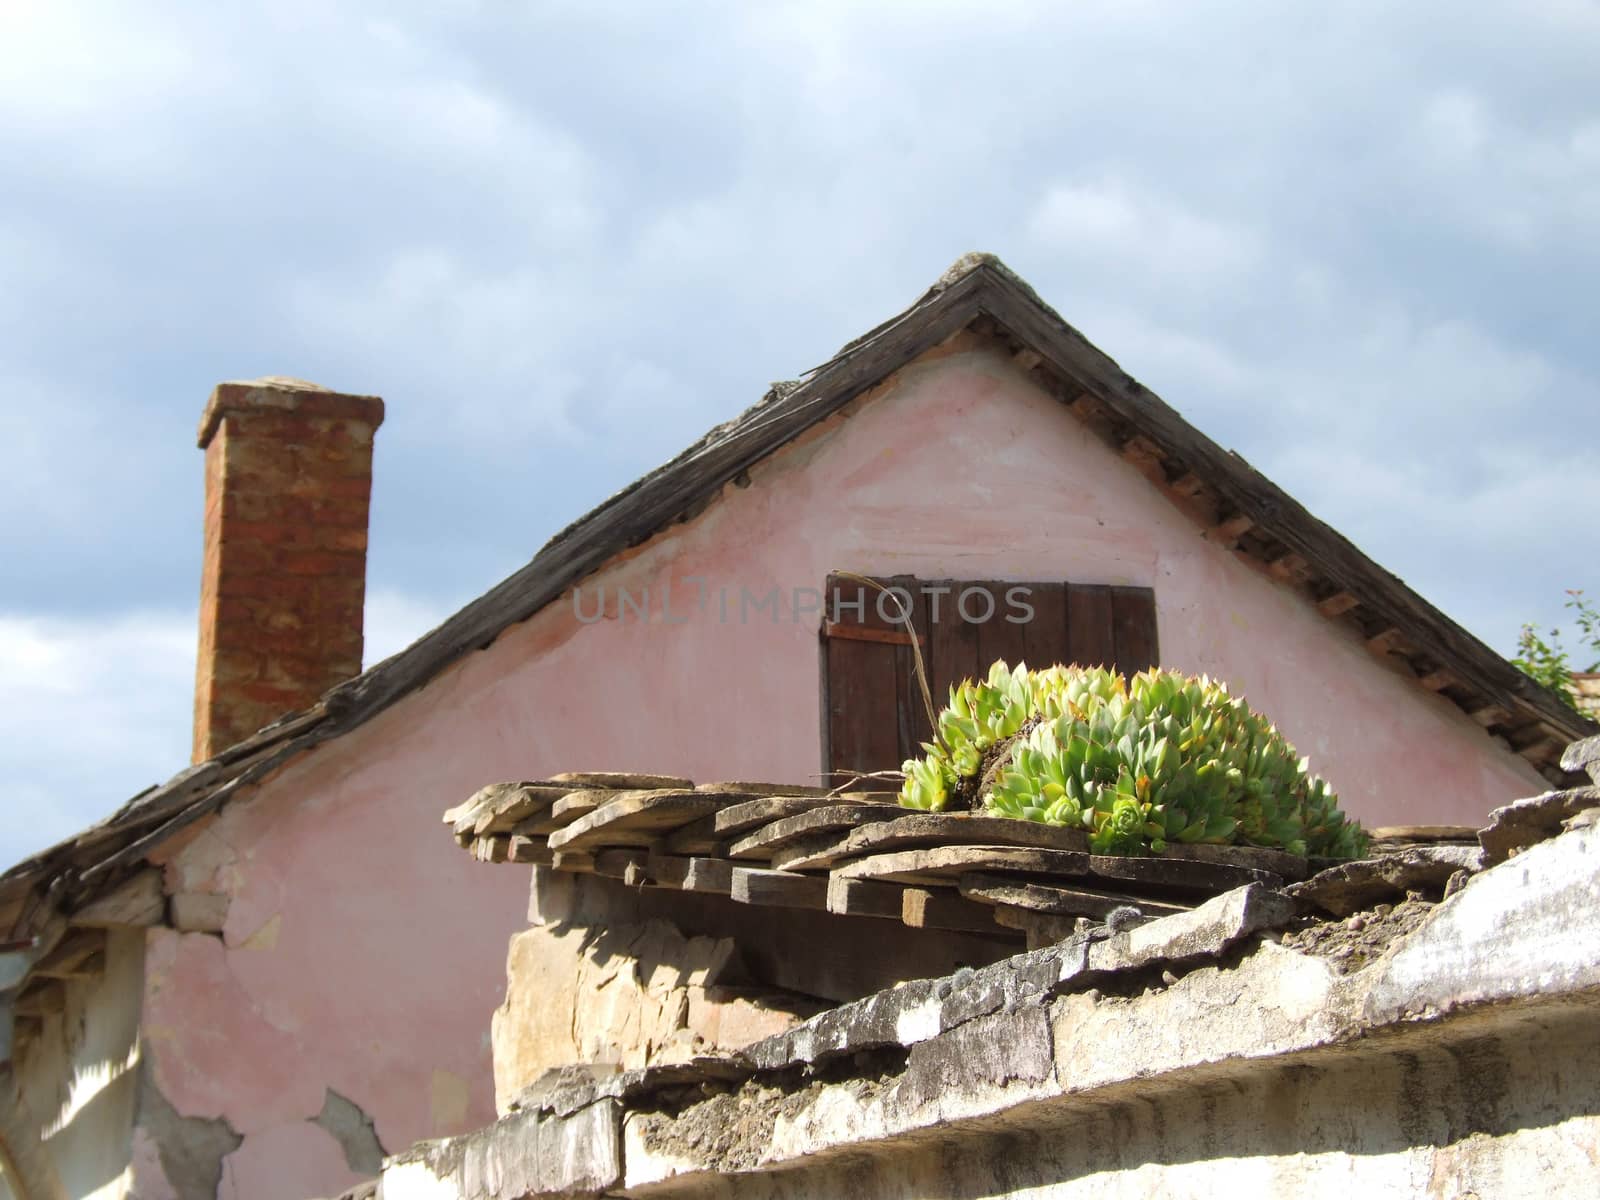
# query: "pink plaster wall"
[[364, 952]]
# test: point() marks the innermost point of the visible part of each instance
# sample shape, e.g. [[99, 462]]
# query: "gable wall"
[[364, 953]]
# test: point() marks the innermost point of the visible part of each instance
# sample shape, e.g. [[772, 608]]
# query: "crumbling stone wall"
[[584, 987]]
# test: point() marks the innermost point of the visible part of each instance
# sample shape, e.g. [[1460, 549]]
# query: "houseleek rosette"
[[1135, 763]]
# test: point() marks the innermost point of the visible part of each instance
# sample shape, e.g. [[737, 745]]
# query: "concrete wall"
[[79, 1082], [362, 953]]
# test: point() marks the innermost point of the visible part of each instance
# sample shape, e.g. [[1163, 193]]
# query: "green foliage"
[[1136, 764], [1543, 657]]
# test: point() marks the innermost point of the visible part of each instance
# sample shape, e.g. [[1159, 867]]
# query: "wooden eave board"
[[571, 807], [691, 873], [621, 781], [1058, 899], [917, 830], [636, 819], [503, 811], [768, 838], [1180, 874], [941, 865], [1276, 862]]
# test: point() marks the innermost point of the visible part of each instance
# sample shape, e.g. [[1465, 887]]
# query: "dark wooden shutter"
[[873, 715]]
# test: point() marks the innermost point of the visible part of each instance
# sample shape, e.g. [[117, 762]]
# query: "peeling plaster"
[[347, 1124], [191, 1149], [265, 937]]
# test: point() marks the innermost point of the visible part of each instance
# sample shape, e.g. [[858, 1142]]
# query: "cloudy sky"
[[1358, 243]]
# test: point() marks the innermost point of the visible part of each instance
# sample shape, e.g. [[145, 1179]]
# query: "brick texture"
[[283, 581]]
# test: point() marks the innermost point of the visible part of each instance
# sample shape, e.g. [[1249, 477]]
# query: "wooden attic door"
[[873, 715]]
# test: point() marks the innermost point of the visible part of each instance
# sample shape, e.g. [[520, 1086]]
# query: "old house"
[[269, 971]]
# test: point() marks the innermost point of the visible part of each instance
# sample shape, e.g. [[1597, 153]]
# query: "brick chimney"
[[288, 479]]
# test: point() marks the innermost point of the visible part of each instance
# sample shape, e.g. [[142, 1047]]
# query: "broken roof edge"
[[1201, 996], [976, 286]]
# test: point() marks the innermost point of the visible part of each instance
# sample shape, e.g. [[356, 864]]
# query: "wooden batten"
[[1226, 533], [1337, 604], [1027, 358], [1439, 679], [1289, 568]]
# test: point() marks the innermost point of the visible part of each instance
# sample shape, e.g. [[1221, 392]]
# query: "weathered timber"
[[573, 861], [508, 804], [940, 865], [571, 807], [779, 889], [74, 957], [532, 850], [493, 849], [1058, 900], [137, 901], [691, 873], [763, 789], [738, 818], [925, 908], [620, 781], [42, 997], [1040, 929], [768, 838], [946, 829], [626, 865], [814, 853], [864, 898], [636, 819], [1391, 834], [1261, 858], [1180, 874]]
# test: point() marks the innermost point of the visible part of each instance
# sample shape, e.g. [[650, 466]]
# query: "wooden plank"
[[41, 998], [636, 819], [1040, 929], [1181, 874], [779, 889], [860, 690], [691, 873], [627, 865], [1058, 899], [620, 781], [764, 841], [952, 642], [575, 862], [1091, 639], [912, 724], [865, 633], [571, 807], [763, 790], [1338, 604], [1044, 635], [1424, 833], [739, 818], [75, 956], [138, 901], [533, 850], [922, 908], [940, 865], [999, 640], [1278, 862], [814, 853], [864, 898], [492, 849], [1133, 629], [949, 829], [508, 805]]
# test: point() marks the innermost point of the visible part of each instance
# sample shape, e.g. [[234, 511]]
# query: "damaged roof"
[[1235, 504]]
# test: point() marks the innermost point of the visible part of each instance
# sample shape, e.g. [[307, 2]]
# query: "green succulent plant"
[[1136, 763]]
